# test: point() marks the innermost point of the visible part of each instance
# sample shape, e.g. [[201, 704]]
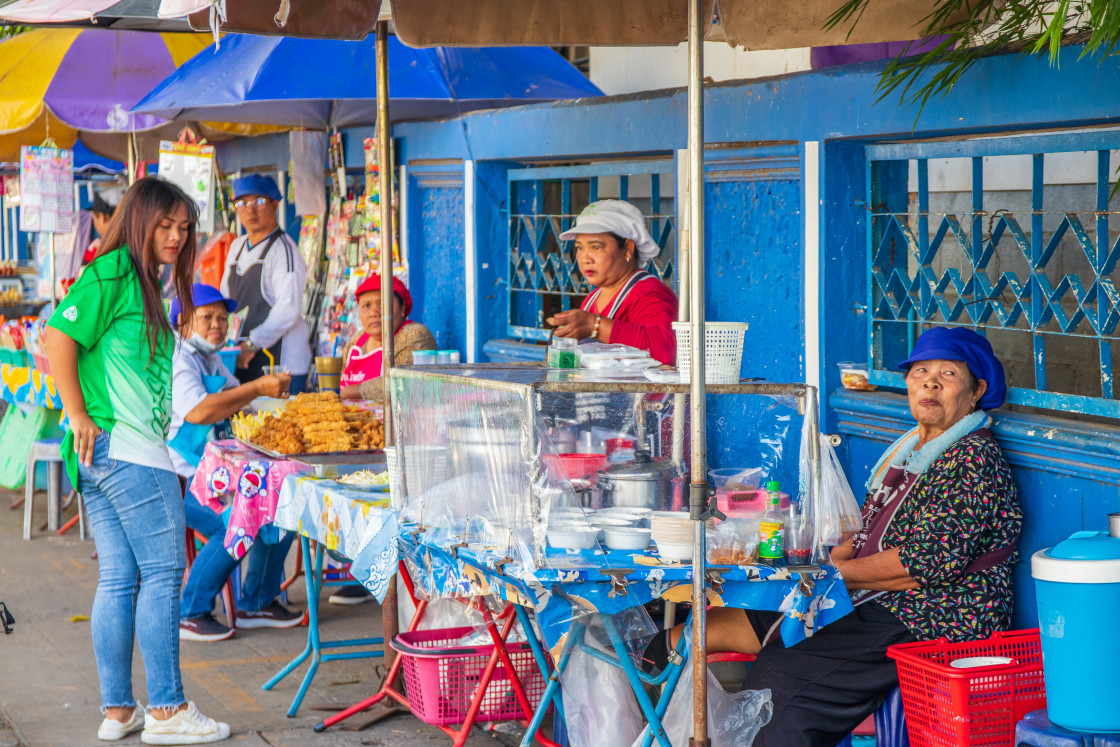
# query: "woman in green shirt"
[[110, 345]]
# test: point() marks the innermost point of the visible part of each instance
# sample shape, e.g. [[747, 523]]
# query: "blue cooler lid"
[[1084, 558]]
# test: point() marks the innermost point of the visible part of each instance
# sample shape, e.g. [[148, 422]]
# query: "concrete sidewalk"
[[48, 678]]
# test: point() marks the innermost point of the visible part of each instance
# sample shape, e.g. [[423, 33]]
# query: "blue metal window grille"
[[543, 275], [1040, 278]]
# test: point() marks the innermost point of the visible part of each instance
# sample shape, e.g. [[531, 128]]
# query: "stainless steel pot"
[[641, 483]]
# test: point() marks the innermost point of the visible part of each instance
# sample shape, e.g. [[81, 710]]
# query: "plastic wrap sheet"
[[734, 719], [487, 464], [498, 461]]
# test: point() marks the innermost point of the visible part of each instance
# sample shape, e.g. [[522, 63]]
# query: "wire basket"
[[977, 706], [723, 351], [441, 678]]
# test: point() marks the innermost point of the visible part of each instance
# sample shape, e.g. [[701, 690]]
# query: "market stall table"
[[809, 596], [250, 482], [352, 523], [30, 386]]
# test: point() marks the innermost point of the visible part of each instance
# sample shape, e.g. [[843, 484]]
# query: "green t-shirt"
[[126, 394]]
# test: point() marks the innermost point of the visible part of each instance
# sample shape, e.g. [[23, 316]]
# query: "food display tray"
[[316, 458]]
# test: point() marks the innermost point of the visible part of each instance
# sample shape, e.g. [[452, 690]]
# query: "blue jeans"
[[214, 564], [298, 383], [136, 514]]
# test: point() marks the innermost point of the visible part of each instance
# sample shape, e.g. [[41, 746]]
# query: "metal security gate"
[[543, 275], [1026, 254]]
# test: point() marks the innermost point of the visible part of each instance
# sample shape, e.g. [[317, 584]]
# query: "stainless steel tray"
[[316, 458]]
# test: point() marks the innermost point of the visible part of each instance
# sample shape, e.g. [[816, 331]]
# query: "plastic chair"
[[231, 586], [44, 451]]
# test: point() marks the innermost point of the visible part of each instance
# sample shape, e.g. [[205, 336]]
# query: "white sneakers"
[[111, 730], [188, 726]]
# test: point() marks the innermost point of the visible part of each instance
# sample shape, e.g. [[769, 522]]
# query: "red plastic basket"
[[975, 707], [441, 679]]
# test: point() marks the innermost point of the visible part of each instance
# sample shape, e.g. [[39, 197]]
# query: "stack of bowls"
[[569, 529], [625, 529], [672, 533]]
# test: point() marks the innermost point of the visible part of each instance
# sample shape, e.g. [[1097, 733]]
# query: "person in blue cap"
[[204, 394], [266, 275], [932, 559]]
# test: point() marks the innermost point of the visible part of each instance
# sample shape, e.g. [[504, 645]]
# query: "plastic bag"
[[734, 719], [599, 706], [837, 515]]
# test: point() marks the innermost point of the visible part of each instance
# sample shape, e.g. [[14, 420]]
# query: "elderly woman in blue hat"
[[941, 523], [266, 275], [203, 395]]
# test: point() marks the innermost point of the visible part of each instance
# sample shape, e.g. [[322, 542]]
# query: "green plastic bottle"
[[771, 549]]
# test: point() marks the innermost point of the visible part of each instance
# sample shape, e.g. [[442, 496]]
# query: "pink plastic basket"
[[441, 679]]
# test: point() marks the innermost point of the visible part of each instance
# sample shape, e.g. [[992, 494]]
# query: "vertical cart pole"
[[698, 488], [389, 623]]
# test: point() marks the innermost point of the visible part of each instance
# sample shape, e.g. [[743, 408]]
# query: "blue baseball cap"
[[961, 344], [202, 295], [255, 184]]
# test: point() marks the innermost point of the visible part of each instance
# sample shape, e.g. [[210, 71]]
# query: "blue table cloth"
[[356, 524], [809, 598]]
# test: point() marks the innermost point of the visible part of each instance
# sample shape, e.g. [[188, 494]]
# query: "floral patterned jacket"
[[962, 507]]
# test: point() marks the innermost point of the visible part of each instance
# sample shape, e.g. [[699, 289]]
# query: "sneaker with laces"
[[203, 628], [111, 730], [274, 615], [187, 726], [350, 594]]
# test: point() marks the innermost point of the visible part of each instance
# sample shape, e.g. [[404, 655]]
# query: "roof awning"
[[752, 24]]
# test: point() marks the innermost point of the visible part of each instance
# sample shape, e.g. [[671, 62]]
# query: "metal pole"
[[698, 489], [54, 281], [131, 160], [389, 621]]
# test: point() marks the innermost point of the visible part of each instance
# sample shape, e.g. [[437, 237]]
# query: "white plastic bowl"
[[627, 538], [674, 550], [572, 539], [610, 522], [981, 661]]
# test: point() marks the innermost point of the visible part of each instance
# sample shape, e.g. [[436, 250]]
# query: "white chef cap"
[[617, 217]]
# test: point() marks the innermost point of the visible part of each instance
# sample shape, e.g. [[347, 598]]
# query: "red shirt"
[[644, 319]]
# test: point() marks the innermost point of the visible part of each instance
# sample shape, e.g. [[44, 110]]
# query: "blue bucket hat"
[[255, 184], [961, 344], [202, 295]]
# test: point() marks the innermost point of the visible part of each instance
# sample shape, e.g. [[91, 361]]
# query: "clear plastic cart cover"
[[543, 467]]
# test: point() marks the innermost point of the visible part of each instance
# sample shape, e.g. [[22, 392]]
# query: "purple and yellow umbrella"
[[70, 84]]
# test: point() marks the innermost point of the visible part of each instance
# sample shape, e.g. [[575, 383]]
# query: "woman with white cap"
[[629, 306]]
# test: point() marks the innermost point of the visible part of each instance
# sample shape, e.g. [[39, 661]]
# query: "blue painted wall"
[[435, 252], [1068, 473]]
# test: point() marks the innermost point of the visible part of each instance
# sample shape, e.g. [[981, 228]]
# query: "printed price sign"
[[191, 167], [46, 186]]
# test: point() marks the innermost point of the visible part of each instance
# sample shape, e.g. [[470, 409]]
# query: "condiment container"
[[854, 376], [563, 352]]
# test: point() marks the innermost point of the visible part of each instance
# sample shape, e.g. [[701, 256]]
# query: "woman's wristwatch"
[[250, 346], [595, 329]]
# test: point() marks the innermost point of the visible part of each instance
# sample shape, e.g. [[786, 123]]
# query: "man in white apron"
[[265, 274]]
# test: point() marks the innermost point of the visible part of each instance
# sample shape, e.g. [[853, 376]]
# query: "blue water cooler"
[[1077, 585]]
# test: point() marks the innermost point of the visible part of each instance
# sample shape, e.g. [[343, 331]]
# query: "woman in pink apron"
[[933, 558], [361, 376], [629, 306]]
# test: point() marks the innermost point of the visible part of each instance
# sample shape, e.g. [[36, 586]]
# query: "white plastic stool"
[[45, 451]]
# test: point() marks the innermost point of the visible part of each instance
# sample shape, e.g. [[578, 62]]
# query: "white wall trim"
[[810, 188], [470, 258]]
